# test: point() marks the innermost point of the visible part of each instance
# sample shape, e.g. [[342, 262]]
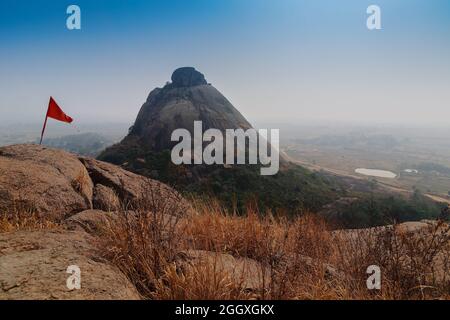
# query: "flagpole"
[[45, 124], [43, 129]]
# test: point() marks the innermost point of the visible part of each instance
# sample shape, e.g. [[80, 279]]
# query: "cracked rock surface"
[[59, 184], [33, 265], [44, 180]]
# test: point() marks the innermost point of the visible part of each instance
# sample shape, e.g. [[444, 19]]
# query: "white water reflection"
[[376, 173]]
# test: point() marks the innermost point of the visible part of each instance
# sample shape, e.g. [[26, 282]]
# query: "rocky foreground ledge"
[[57, 183], [62, 186]]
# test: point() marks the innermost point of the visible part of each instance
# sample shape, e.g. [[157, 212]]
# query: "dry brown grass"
[[143, 241], [203, 282], [302, 257], [415, 265], [213, 229], [21, 217]]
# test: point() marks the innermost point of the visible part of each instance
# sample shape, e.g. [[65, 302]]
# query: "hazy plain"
[[419, 156]]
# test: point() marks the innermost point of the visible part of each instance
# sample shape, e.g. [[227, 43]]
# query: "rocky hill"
[[177, 105], [188, 98]]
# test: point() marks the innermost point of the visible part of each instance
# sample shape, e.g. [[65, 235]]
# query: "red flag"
[[54, 112]]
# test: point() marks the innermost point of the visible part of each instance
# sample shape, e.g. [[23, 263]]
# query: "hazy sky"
[[282, 60]]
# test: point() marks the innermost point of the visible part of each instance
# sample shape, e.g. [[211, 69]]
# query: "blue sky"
[[274, 59]]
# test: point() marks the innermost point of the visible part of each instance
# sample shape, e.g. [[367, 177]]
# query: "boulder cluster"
[[80, 194]]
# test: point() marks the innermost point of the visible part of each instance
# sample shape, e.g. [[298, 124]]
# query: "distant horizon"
[[266, 123]]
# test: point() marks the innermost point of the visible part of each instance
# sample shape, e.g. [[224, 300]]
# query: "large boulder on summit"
[[33, 265], [187, 77], [44, 180]]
